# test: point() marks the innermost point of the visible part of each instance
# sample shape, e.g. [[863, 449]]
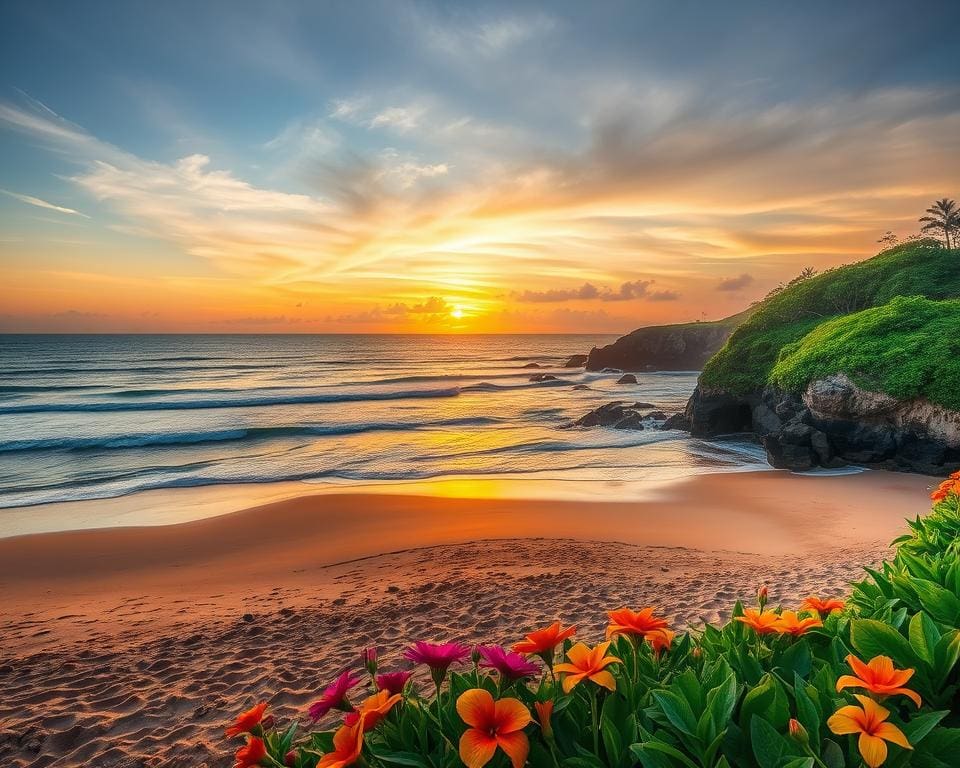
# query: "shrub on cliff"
[[873, 682], [917, 268], [908, 348]]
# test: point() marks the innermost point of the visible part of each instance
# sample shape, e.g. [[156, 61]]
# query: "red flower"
[[334, 696], [394, 682], [249, 720], [252, 754]]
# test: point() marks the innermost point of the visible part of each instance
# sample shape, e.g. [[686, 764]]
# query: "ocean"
[[97, 416]]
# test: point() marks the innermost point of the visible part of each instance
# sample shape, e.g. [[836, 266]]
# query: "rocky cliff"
[[683, 347], [834, 423]]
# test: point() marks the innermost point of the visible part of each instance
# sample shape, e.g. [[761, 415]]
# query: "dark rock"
[[576, 361], [834, 423], [783, 455], [714, 412], [656, 415], [683, 347], [820, 444], [677, 421], [765, 420], [248, 617], [627, 378], [531, 365], [643, 405], [630, 421], [580, 386]]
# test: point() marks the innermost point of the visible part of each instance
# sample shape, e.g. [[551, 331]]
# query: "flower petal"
[[579, 654], [570, 681], [476, 708], [477, 748], [875, 713], [912, 695], [516, 745], [890, 732], [510, 715], [846, 720], [860, 669], [605, 679], [849, 681], [882, 667], [873, 749]]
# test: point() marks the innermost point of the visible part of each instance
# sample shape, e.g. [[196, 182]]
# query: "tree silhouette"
[[943, 216]]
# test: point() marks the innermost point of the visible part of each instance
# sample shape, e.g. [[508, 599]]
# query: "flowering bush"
[[871, 681]]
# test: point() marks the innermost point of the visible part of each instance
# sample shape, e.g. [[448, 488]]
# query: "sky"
[[425, 167]]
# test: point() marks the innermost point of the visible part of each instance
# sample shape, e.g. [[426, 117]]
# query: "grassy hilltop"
[[855, 320]]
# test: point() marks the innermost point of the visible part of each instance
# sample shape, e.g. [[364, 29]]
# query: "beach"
[[133, 646]]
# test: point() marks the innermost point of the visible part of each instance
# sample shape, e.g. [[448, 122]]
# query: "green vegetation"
[[909, 347], [917, 268]]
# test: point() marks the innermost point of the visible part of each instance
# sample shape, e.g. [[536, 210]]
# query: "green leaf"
[[920, 725], [721, 701], [942, 604], [800, 762], [659, 746], [758, 700], [768, 745], [611, 740], [945, 655], [677, 710], [807, 712], [832, 755], [402, 758], [924, 636], [874, 638]]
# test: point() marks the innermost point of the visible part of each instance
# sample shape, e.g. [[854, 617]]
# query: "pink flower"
[[394, 682], [334, 696], [511, 666], [369, 658], [437, 656]]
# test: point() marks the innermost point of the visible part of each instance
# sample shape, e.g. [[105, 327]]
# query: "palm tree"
[[944, 216]]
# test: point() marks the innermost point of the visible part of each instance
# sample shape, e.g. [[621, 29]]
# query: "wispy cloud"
[[39, 203]]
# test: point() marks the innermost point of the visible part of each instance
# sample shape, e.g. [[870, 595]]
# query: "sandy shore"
[[132, 646]]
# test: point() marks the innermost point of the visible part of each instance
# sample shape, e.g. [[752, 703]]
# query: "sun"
[[457, 312]]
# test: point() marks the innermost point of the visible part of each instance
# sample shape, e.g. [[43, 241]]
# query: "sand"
[[134, 646]]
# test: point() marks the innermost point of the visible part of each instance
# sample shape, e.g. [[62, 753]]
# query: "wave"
[[246, 434], [248, 402]]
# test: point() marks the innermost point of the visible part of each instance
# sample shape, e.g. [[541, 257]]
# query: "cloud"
[[628, 291], [30, 200], [735, 283]]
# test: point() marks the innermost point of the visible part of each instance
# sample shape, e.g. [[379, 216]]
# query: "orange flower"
[[868, 720], [252, 754], [347, 745], [492, 724], [623, 621], [879, 677], [544, 712], [948, 486], [790, 623], [588, 664], [762, 622], [660, 640], [544, 640], [814, 603], [373, 710], [249, 720]]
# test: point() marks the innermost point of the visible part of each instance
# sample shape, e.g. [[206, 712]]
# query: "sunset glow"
[[494, 176]]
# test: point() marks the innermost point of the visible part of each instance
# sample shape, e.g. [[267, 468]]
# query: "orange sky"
[[491, 171]]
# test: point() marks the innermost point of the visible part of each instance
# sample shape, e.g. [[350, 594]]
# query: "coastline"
[[161, 633]]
